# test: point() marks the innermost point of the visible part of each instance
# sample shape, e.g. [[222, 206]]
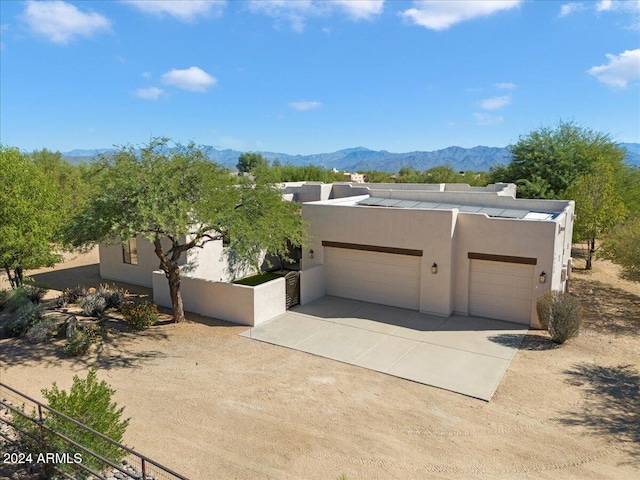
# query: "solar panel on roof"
[[446, 206], [512, 213], [492, 212], [469, 209], [427, 205], [407, 204], [389, 202], [371, 201]]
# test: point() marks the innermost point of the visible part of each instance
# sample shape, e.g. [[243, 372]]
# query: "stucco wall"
[[428, 230], [112, 266], [226, 301], [312, 284], [501, 236]]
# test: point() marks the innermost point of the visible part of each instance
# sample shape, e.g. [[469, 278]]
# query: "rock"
[[72, 327]]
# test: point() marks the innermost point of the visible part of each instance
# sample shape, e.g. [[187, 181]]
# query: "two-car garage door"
[[386, 278], [501, 290]]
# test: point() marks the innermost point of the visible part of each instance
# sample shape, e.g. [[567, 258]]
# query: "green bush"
[[34, 293], [93, 304], [543, 307], [16, 299], [90, 403], [565, 319], [21, 320], [78, 344], [559, 313], [41, 331], [140, 315]]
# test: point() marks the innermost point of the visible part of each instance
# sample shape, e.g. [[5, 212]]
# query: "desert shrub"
[[16, 299], [565, 321], [70, 295], [21, 320], [78, 344], [93, 304], [543, 307], [41, 331], [113, 295], [90, 403], [34, 293], [140, 315]]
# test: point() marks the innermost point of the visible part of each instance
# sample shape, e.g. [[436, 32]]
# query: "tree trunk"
[[18, 275], [592, 251], [173, 275], [9, 277]]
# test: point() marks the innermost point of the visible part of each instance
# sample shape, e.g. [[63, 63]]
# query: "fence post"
[[144, 470], [41, 419]]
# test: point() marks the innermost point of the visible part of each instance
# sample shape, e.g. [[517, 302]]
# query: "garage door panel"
[[501, 290], [378, 277]]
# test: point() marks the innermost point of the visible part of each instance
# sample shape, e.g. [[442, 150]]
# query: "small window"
[[130, 252]]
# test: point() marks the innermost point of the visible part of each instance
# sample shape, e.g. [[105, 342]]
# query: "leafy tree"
[[376, 176], [70, 180], [248, 162], [441, 174], [598, 206], [29, 216], [622, 246], [408, 175], [178, 200], [547, 161]]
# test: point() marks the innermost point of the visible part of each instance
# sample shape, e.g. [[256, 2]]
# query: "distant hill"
[[479, 158]]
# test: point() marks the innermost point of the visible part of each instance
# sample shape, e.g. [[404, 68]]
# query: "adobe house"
[[437, 248]]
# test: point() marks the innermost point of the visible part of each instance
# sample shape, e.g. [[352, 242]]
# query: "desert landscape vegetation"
[[211, 404]]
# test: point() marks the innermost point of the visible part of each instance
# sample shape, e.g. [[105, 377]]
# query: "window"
[[130, 252]]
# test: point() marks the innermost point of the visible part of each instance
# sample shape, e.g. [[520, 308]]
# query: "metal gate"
[[292, 280]]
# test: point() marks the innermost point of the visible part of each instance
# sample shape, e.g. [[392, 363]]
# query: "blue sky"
[[307, 76]]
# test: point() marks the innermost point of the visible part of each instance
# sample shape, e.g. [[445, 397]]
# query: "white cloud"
[[604, 5], [297, 12], [441, 15], [147, 74], [569, 8], [192, 79], [505, 86], [621, 69], [484, 119], [494, 103], [183, 10], [629, 8], [151, 93], [361, 9], [305, 105], [60, 22]]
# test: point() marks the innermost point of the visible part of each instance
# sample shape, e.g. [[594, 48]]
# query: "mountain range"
[[478, 159]]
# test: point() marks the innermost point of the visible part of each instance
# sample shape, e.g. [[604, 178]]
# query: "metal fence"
[[69, 461]]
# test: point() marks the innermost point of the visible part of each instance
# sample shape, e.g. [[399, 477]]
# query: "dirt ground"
[[210, 404]]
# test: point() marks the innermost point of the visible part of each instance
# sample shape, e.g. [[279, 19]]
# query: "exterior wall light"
[[311, 253], [543, 277], [434, 268]]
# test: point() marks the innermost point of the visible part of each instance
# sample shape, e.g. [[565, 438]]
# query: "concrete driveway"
[[467, 355]]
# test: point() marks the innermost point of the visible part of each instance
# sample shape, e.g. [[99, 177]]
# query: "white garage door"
[[376, 277], [501, 290]]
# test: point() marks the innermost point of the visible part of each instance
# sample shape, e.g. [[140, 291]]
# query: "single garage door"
[[376, 277], [501, 290]]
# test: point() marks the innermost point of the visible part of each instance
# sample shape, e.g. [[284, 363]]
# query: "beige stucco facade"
[[445, 249]]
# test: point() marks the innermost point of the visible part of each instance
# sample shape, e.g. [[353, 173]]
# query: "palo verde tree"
[[29, 216], [545, 162], [248, 162], [178, 200], [599, 207]]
